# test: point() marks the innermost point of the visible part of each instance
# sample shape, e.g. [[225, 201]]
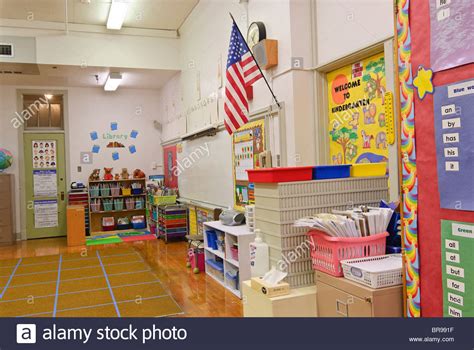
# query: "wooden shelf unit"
[[243, 237], [95, 218]]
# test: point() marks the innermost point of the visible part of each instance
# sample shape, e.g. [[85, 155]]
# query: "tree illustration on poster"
[[357, 127]]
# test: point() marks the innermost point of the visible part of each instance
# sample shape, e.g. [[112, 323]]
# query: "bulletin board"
[[357, 126], [429, 201], [171, 170], [247, 143]]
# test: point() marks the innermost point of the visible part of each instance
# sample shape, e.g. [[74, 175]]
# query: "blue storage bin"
[[323, 172], [139, 225], [211, 239]]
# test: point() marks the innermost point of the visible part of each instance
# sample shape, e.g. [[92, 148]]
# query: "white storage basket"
[[375, 271]]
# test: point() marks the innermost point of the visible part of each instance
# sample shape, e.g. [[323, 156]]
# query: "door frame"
[[21, 150]]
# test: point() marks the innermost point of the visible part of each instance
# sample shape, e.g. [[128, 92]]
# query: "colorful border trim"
[[408, 150]]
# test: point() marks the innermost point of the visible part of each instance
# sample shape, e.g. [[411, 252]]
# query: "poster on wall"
[[452, 33], [457, 264], [170, 161], [44, 153], [248, 143], [357, 128], [45, 183], [46, 213], [454, 122]]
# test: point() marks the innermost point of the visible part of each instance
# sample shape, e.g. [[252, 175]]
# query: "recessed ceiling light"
[[117, 13], [113, 82]]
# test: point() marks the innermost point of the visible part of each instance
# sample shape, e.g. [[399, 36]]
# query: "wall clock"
[[256, 33]]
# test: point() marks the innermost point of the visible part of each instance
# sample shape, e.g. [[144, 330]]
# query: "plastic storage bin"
[[375, 272], [95, 206], [94, 191], [327, 252], [108, 205], [324, 172], [160, 200], [304, 173], [137, 191], [126, 191], [368, 169], [215, 268], [130, 203], [115, 191], [118, 204], [211, 239], [139, 203], [105, 190], [232, 278], [234, 253]]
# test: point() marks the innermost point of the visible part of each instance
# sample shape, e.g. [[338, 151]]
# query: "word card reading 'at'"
[[452, 166], [453, 257], [451, 138], [456, 285], [451, 152], [448, 109], [455, 271], [450, 244], [452, 123]]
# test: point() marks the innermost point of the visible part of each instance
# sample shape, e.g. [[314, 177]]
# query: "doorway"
[[44, 165]]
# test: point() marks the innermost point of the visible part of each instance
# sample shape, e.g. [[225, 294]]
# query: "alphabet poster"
[[357, 131], [457, 245], [454, 122], [452, 33], [248, 143]]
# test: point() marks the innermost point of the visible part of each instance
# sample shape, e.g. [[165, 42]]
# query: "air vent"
[[6, 50]]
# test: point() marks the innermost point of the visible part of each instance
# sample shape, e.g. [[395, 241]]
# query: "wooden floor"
[[196, 294]]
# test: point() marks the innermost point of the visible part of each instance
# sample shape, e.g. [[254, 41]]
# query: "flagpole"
[[260, 69]]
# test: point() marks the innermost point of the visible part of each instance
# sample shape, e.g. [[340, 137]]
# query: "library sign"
[[115, 140]]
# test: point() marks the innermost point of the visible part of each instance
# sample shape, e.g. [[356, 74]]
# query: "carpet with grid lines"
[[114, 282]]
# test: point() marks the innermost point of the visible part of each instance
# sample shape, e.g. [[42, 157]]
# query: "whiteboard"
[[206, 170]]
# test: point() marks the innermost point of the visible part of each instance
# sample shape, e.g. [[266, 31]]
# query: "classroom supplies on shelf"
[[123, 223], [375, 272], [138, 222], [108, 223], [359, 222], [105, 190], [327, 252], [126, 190], [234, 252], [195, 256], [215, 268], [108, 204], [137, 188], [115, 190], [95, 205], [232, 279], [139, 203], [130, 203], [118, 204], [94, 190], [172, 221]]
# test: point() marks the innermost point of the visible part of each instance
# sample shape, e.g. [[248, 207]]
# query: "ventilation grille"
[[6, 50]]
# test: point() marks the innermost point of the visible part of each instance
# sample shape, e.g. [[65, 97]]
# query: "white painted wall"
[[346, 26], [100, 50], [92, 109]]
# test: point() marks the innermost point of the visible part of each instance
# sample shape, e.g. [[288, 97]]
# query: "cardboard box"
[[259, 285]]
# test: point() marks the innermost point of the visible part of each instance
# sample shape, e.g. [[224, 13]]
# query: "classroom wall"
[[346, 26], [92, 109]]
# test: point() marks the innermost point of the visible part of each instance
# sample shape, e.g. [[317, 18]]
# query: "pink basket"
[[327, 252], [234, 253], [115, 191]]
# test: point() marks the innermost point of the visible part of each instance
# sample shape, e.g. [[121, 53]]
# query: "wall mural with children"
[[357, 128], [115, 140]]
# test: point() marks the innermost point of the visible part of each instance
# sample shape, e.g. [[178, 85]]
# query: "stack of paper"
[[359, 222]]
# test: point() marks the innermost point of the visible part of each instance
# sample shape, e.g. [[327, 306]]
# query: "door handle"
[[62, 196]]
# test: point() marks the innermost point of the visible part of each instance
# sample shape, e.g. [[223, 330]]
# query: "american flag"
[[242, 72]]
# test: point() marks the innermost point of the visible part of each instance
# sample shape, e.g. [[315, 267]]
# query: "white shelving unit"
[[232, 234]]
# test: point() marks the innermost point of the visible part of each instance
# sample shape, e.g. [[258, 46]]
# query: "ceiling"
[[76, 76], [145, 14]]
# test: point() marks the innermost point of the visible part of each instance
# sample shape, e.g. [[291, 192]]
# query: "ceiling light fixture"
[[118, 10], [113, 82], [48, 96]]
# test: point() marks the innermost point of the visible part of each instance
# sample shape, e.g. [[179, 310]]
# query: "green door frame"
[[21, 161]]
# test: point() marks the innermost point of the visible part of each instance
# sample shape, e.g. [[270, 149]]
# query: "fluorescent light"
[[118, 10], [113, 82]]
